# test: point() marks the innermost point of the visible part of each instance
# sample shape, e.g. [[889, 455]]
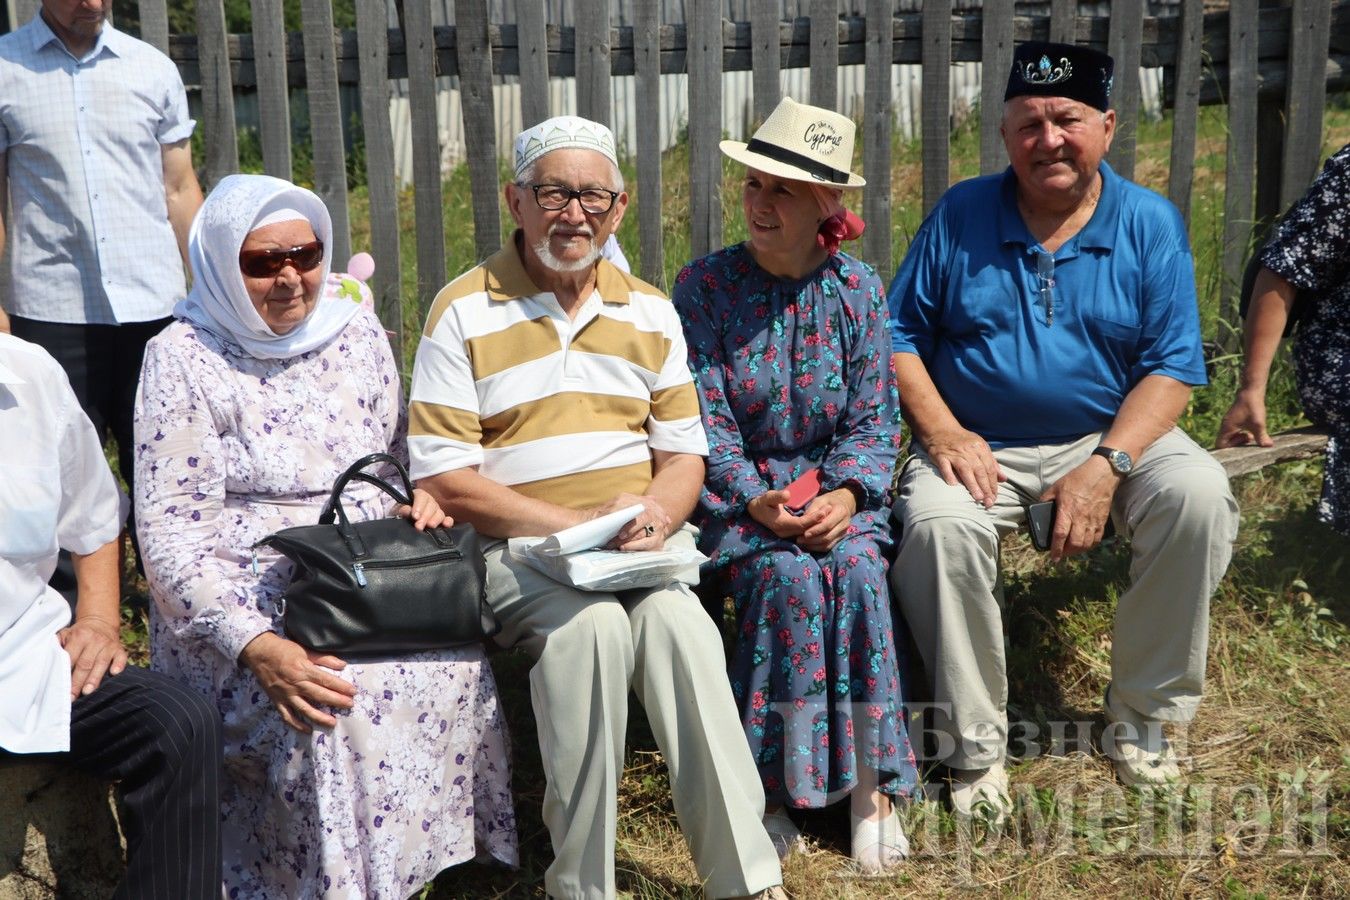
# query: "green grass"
[[1267, 813]]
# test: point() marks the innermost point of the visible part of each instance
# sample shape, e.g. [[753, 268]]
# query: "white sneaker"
[[783, 832], [1137, 747], [981, 793], [879, 844]]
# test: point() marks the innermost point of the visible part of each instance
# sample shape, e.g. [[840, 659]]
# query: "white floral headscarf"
[[219, 302]]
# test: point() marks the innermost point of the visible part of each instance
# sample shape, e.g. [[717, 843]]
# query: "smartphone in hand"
[[1041, 524], [803, 490]]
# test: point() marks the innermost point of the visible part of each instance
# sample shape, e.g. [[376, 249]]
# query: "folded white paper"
[[570, 557], [589, 534]]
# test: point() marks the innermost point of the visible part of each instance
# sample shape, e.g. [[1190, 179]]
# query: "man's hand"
[[94, 641], [831, 513], [646, 532], [963, 457], [1245, 421], [4, 322], [298, 680], [95, 649], [1083, 504]]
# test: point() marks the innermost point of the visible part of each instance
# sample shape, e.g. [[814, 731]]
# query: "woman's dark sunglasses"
[[268, 263]]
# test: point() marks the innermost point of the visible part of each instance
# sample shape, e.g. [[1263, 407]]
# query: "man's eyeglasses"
[[1045, 274], [554, 197], [268, 263]]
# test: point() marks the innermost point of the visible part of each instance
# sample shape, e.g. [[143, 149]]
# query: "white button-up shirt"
[[55, 490], [90, 240]]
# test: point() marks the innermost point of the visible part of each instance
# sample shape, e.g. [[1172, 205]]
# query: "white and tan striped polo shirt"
[[565, 410]]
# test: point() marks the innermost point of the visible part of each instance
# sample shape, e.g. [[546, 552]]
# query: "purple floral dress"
[[412, 780], [1311, 250], [795, 375]]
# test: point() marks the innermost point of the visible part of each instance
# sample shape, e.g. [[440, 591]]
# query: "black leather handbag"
[[382, 586]]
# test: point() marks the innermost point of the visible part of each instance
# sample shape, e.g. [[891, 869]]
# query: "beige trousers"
[[1180, 518], [589, 648]]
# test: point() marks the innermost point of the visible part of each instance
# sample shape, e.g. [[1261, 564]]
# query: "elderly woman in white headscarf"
[[346, 778]]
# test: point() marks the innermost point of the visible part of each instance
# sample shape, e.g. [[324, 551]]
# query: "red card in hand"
[[803, 490]]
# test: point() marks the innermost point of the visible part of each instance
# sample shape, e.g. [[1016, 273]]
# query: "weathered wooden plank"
[[1125, 36], [1185, 114], [480, 132], [420, 43], [218, 128], [936, 106], [274, 106], [764, 57], [1063, 19], [593, 62], [1271, 78], [380, 182], [325, 122], [1300, 443], [532, 36], [1308, 49], [1157, 47], [1270, 121], [825, 53], [155, 24], [1238, 180], [705, 126], [998, 46], [877, 124], [647, 56]]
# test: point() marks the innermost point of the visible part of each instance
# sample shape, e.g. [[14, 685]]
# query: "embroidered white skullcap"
[[563, 133]]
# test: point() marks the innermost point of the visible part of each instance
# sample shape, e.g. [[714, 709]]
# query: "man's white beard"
[[545, 254]]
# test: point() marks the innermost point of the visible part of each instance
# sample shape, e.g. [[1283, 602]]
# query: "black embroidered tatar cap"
[[1043, 69]]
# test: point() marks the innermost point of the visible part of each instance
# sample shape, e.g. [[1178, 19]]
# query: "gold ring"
[[649, 530]]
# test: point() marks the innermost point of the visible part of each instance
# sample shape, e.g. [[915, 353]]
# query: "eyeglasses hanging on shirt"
[[1045, 276]]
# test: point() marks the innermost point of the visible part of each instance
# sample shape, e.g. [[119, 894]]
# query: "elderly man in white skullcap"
[[552, 388]]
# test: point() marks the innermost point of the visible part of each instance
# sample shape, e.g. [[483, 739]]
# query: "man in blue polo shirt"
[[1046, 339]]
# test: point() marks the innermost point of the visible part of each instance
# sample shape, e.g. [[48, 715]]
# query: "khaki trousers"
[[1180, 518], [589, 648]]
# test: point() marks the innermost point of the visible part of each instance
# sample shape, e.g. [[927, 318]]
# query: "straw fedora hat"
[[801, 143]]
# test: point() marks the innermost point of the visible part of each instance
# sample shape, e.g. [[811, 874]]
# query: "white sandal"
[[879, 845], [783, 832]]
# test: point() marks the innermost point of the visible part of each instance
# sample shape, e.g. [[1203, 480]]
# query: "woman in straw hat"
[[787, 341]]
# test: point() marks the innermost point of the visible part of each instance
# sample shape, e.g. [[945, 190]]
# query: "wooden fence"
[[1273, 65]]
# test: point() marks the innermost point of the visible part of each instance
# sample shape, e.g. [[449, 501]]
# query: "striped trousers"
[[161, 743]]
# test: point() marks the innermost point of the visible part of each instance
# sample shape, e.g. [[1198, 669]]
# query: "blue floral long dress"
[[794, 375]]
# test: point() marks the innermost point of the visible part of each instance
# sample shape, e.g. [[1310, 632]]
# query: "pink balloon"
[[362, 266]]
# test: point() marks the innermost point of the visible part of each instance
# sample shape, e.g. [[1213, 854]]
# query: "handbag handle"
[[354, 473]]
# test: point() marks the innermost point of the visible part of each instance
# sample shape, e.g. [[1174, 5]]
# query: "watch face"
[[1120, 461]]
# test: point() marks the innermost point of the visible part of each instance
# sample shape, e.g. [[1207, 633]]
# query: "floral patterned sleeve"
[[180, 506], [867, 438], [732, 480], [1311, 247]]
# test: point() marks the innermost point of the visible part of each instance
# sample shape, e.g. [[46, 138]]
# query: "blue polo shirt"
[[968, 300]]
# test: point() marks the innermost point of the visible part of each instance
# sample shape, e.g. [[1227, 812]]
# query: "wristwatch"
[[1120, 460]]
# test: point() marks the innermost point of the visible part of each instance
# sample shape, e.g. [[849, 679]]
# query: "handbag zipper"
[[359, 568]]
